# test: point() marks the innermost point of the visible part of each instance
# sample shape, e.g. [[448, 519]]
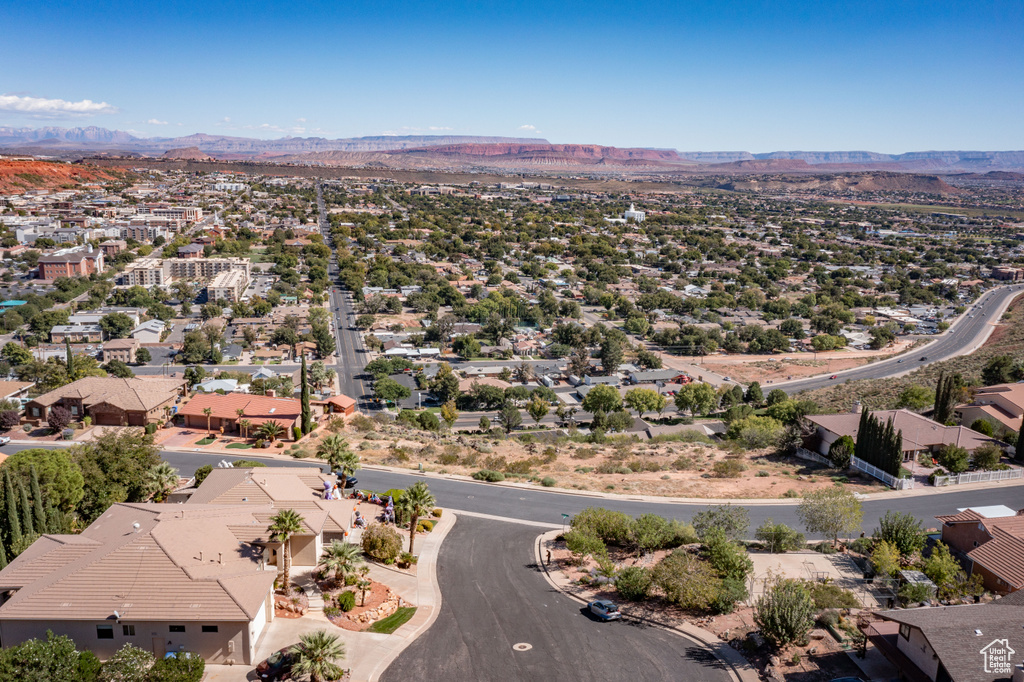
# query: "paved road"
[[961, 339], [548, 507], [493, 597]]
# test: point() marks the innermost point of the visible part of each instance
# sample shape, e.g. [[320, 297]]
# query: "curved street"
[[494, 596]]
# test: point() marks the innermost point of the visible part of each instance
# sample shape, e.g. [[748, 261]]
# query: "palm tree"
[[341, 558], [334, 449], [416, 501], [315, 655], [245, 425], [270, 430], [162, 479], [241, 413], [282, 526], [208, 411]]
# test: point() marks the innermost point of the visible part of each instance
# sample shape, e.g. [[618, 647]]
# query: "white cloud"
[[527, 126], [301, 120], [436, 128], [156, 122], [40, 107]]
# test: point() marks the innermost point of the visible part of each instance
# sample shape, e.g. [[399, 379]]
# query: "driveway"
[[493, 598]]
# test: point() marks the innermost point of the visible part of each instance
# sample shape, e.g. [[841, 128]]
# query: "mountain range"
[[469, 152]]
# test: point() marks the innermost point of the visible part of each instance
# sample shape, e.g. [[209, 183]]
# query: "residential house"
[[339, 404], [992, 540], [113, 247], [224, 416], [120, 349], [150, 331], [15, 390], [191, 251], [110, 401], [164, 578], [1001, 405], [920, 434], [76, 333], [217, 385], [966, 643]]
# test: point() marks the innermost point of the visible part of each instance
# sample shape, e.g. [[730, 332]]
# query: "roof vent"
[[977, 633]]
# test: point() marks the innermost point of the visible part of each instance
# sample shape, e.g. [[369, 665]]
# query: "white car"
[[4, 440], [605, 610]]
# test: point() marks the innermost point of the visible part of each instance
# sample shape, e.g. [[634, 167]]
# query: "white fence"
[[883, 476], [804, 453], [978, 477]]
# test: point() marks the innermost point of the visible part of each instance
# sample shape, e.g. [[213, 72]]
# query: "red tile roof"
[[257, 408]]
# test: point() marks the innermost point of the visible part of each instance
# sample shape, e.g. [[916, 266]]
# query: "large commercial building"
[[77, 264], [227, 286], [148, 272]]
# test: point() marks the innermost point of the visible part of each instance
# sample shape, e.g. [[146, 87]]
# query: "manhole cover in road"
[[522, 646]]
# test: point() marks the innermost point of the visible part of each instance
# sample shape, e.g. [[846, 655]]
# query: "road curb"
[[737, 666], [426, 581]]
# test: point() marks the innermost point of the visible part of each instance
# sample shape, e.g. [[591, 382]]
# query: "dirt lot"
[[772, 371], [673, 469]]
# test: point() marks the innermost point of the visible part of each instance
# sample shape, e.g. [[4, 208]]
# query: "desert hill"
[[17, 176]]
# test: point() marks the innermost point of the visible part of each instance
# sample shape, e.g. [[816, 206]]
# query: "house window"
[[209, 628], [904, 631], [74, 410], [104, 632], [129, 630], [177, 628], [35, 411]]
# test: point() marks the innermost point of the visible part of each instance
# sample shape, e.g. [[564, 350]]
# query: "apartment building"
[[75, 264], [145, 272], [149, 272], [227, 286], [144, 233], [189, 213], [112, 247]]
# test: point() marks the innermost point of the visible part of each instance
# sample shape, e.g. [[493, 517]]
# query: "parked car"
[[350, 481], [278, 666], [605, 610], [834, 376], [4, 440], [923, 358]]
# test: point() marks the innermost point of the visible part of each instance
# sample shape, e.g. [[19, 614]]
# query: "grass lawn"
[[396, 620], [239, 446], [205, 441]]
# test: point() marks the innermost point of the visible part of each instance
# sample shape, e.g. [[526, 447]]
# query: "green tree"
[[317, 654], [731, 520], [538, 408], [697, 397], [954, 458], [341, 559], [947, 395], [728, 558], [642, 400], [776, 395], [611, 355], [25, 507], [785, 612], [841, 452], [128, 664], [307, 413], [15, 355], [38, 507], [116, 368], [885, 558], [945, 571], [12, 518], [603, 398], [417, 502], [449, 413], [390, 391], [915, 398], [778, 537], [116, 325], [55, 659], [903, 531], [509, 418], [999, 370], [59, 478], [114, 468], [756, 432], [754, 395], [283, 526], [831, 512], [687, 581], [163, 479], [485, 423]]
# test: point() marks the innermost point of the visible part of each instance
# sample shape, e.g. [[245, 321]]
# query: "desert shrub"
[[436, 512], [987, 456], [778, 537], [791, 493], [728, 558], [639, 465], [785, 613], [756, 432], [829, 596], [729, 468], [361, 423], [128, 664], [521, 466], [178, 668], [489, 476], [682, 463], [548, 482], [584, 453], [447, 459], [612, 527], [914, 593], [469, 459], [332, 611], [903, 531], [729, 594], [583, 543], [731, 520], [550, 455], [347, 601], [202, 472], [495, 462], [686, 580], [425, 524], [607, 468], [824, 548], [634, 583], [381, 542]]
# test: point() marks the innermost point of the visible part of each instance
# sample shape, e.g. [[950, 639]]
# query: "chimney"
[[200, 555], [220, 558], [857, 407]]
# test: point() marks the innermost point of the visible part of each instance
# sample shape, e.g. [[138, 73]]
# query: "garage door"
[[107, 419]]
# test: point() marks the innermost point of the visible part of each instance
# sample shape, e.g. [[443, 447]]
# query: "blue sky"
[[728, 75]]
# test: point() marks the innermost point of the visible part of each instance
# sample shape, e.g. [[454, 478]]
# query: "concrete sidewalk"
[[737, 666]]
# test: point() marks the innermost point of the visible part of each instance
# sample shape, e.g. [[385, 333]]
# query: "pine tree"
[[307, 415], [69, 359], [38, 511], [26, 510], [11, 518]]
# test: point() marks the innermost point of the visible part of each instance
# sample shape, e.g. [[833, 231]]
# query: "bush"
[[332, 611], [202, 472], [347, 601], [728, 558], [59, 418], [634, 583], [841, 452], [953, 458], [489, 476], [583, 543], [9, 419], [901, 530], [612, 527], [987, 456], [785, 612], [828, 596], [178, 668], [548, 482], [731, 592], [436, 512], [382, 543], [447, 459], [936, 472], [756, 432], [394, 493], [983, 426], [128, 664], [296, 433], [151, 429], [914, 593], [686, 580], [729, 468], [682, 463], [778, 537], [425, 524], [733, 521]]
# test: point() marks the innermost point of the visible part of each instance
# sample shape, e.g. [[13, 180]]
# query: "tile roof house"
[[110, 401], [340, 404], [1002, 405], [992, 538], [258, 409], [164, 578], [968, 643], [120, 349], [920, 434], [149, 331]]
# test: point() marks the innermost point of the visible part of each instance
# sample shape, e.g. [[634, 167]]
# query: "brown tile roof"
[[116, 344], [342, 401], [183, 563], [127, 394], [1004, 553], [258, 409], [919, 432], [9, 387]]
